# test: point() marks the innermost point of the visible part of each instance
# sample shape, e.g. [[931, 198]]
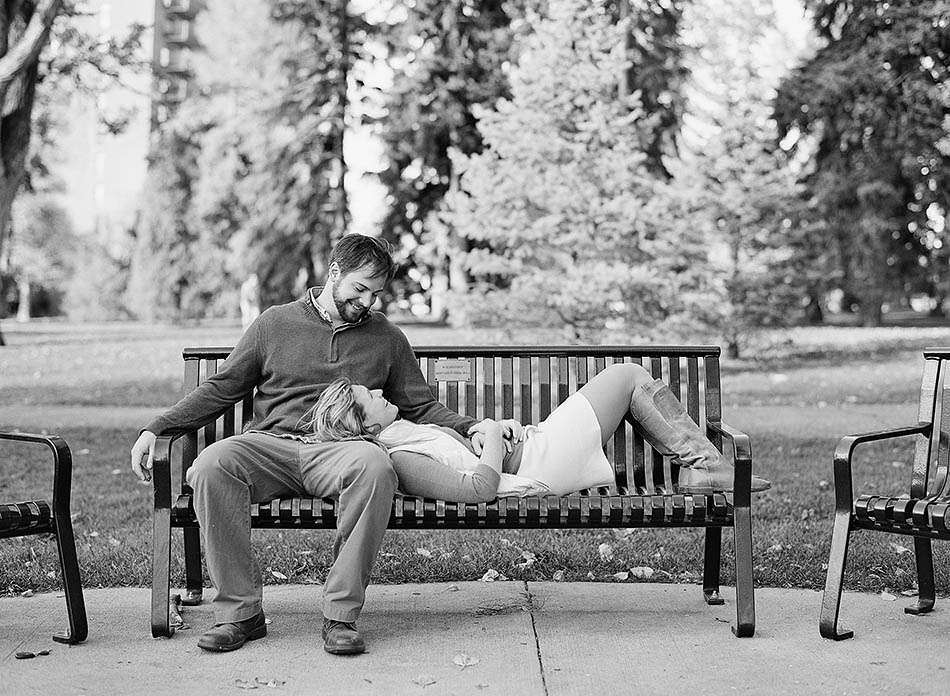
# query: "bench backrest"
[[933, 453], [526, 383]]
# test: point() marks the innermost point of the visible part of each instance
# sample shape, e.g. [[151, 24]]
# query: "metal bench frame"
[[922, 514], [39, 517], [500, 382]]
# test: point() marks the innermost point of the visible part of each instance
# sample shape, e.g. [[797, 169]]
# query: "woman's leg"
[[609, 393]]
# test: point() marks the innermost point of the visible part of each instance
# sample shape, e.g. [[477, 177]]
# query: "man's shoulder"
[[380, 323]]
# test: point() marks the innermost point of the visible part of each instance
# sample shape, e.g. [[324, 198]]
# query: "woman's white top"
[[562, 454]]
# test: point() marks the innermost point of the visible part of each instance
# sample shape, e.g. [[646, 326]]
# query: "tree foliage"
[[560, 206], [868, 111]]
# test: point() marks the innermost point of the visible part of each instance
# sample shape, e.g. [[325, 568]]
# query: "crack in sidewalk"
[[537, 642]]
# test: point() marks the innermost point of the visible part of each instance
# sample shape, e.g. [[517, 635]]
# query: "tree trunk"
[[22, 37], [23, 310]]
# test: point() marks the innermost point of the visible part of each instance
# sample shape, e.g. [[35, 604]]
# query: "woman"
[[563, 453]]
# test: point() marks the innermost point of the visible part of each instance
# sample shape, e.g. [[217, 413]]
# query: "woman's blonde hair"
[[337, 415]]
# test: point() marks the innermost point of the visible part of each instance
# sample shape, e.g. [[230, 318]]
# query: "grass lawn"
[[127, 365]]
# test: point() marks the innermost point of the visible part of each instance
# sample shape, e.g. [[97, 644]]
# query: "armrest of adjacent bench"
[[62, 467], [844, 495], [742, 460]]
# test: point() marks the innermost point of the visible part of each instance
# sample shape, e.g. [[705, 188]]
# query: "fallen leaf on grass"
[[269, 683], [529, 560], [463, 660], [425, 553], [424, 680], [898, 549], [277, 574], [27, 593], [642, 572], [491, 575], [558, 576], [622, 575], [606, 552], [909, 593], [241, 684], [887, 597]]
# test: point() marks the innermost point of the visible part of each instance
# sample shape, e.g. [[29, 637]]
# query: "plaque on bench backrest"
[[454, 370]]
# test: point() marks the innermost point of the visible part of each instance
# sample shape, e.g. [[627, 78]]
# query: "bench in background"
[[41, 517]]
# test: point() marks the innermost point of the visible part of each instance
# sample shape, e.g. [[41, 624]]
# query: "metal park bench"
[[41, 517], [923, 514], [520, 382]]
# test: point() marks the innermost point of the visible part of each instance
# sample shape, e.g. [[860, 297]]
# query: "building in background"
[[173, 40]]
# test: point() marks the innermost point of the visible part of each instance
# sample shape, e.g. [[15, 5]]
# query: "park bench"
[[40, 517], [519, 382], [924, 514]]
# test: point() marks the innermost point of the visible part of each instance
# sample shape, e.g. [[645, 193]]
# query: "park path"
[[822, 421]]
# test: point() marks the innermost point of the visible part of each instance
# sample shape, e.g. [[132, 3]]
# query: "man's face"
[[355, 292]]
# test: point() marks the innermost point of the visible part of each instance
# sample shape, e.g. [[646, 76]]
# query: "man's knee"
[[373, 464], [213, 463]]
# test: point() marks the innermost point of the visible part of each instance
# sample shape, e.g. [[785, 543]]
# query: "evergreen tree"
[[446, 57], [561, 205], [868, 111], [733, 183]]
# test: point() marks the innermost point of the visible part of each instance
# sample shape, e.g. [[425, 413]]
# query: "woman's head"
[[347, 411]]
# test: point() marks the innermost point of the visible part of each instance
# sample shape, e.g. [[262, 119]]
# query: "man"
[[290, 353]]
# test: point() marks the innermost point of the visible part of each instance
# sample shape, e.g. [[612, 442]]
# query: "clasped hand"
[[512, 432]]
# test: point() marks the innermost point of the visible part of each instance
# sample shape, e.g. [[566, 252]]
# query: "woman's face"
[[377, 412]]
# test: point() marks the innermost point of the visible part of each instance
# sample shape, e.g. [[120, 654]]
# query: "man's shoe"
[[342, 638], [231, 636]]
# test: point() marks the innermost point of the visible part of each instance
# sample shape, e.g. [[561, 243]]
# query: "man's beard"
[[347, 310]]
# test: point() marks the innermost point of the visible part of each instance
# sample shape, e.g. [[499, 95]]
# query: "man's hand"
[[512, 431], [143, 452]]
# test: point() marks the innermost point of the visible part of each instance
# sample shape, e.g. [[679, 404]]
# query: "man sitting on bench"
[[290, 353]]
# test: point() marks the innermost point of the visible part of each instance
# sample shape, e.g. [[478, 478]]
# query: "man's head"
[[360, 269]]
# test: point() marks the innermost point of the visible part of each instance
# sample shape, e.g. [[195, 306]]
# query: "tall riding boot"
[[667, 426]]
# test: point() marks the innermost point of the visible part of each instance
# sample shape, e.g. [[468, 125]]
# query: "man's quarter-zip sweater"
[[291, 354]]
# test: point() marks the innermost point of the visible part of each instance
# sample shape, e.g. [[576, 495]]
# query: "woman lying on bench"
[[562, 454]]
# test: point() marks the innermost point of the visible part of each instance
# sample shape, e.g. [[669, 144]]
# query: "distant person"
[[562, 454], [250, 301], [290, 353]]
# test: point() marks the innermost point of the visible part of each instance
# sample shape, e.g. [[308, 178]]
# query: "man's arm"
[[407, 388], [238, 375]]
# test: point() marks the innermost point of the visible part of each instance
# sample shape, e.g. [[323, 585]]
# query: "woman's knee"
[[631, 373]]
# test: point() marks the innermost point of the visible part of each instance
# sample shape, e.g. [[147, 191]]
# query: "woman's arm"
[[422, 475], [493, 448]]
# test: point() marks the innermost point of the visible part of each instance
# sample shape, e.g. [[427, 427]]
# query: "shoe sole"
[[258, 632], [345, 650], [697, 490]]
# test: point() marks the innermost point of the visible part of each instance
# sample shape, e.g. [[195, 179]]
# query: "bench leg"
[[72, 583], [161, 568], [831, 600], [711, 564], [193, 579], [745, 589], [925, 578]]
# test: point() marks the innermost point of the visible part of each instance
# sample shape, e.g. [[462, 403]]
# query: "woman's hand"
[[513, 431], [481, 432]]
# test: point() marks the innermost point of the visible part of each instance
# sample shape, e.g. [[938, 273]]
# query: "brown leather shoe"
[[231, 636], [342, 638]]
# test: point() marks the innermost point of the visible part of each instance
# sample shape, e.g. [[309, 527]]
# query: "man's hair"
[[336, 416], [356, 251]]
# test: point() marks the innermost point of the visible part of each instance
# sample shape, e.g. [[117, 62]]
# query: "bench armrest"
[[844, 495], [162, 470], [62, 467], [742, 445]]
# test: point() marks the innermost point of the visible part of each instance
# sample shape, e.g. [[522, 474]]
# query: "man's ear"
[[333, 273]]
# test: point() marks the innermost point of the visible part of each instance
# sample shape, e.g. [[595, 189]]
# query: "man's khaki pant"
[[229, 475]]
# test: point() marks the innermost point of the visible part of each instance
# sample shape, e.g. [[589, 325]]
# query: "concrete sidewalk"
[[514, 637]]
